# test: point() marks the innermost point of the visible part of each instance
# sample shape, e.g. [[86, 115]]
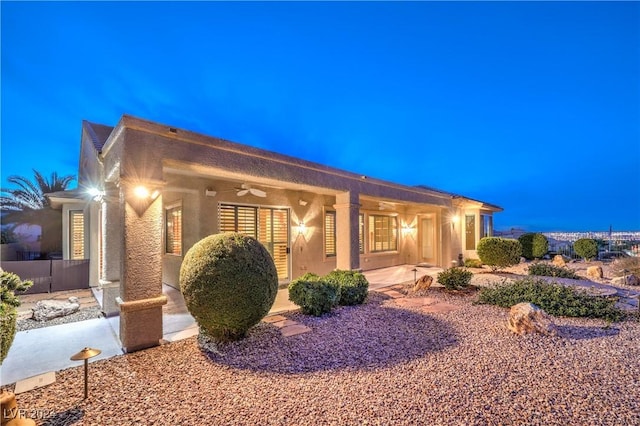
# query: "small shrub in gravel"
[[9, 284], [586, 248], [229, 283], [553, 298], [314, 295], [499, 252], [354, 287], [534, 245], [549, 270], [473, 263], [455, 278]]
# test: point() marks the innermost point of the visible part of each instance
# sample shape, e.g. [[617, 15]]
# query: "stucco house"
[[147, 192]]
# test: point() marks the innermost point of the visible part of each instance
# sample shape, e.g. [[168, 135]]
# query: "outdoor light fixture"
[[302, 202], [302, 228], [406, 229], [141, 192], [84, 355], [455, 219], [96, 194]]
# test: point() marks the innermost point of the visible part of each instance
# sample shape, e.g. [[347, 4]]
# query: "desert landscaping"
[[393, 360]]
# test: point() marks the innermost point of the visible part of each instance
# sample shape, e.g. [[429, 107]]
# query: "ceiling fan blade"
[[258, 192], [242, 192]]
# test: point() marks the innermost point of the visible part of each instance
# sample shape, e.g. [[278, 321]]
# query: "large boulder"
[[630, 279], [46, 310], [595, 272], [558, 260], [423, 283], [527, 318]]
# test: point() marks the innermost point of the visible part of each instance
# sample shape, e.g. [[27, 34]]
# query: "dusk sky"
[[534, 106]]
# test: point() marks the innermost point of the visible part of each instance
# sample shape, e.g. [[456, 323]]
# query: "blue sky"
[[531, 106]]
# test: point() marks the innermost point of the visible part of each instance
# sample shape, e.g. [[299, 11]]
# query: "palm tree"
[[27, 204]]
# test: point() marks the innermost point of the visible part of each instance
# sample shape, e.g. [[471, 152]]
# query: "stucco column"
[[347, 239], [141, 297], [111, 240]]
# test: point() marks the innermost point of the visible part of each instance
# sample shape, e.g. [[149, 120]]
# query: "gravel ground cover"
[[374, 364], [82, 315]]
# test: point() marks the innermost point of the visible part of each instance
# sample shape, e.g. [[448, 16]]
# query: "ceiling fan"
[[247, 189]]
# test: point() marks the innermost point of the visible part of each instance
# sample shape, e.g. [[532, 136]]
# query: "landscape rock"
[[527, 318], [46, 310], [558, 260], [630, 279], [423, 283], [595, 272]]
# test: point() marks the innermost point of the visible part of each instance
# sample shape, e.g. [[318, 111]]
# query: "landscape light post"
[[84, 355]]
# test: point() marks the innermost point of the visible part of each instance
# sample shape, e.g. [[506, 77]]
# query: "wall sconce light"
[[96, 194], [302, 202], [143, 193], [302, 228], [455, 219], [210, 192], [406, 229]]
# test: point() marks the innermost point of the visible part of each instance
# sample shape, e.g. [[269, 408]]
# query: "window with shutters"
[[76, 234], [361, 232], [470, 231], [383, 233], [329, 233], [268, 225], [173, 231]]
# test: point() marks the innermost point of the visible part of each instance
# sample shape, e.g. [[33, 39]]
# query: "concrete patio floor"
[[43, 350]]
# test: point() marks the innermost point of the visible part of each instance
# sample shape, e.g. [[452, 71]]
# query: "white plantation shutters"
[[76, 237], [268, 225], [173, 236], [330, 234]]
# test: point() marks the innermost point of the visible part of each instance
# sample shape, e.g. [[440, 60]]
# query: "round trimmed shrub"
[[498, 252], [313, 294], [534, 245], [455, 278], [229, 283], [354, 287], [586, 248]]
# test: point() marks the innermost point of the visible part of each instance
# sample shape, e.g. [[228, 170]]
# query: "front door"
[[268, 225], [427, 240]]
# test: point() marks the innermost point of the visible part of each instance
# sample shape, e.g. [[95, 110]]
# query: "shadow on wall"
[[363, 337]]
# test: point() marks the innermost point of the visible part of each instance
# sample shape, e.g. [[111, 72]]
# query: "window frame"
[[329, 213], [470, 232], [167, 212], [72, 230], [392, 230]]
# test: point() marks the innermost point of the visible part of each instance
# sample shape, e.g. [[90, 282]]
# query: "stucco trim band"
[[140, 305]]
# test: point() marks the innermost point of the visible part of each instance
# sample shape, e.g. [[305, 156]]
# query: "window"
[[268, 225], [383, 233], [242, 219], [329, 234], [76, 234], [470, 231], [361, 232], [173, 236], [486, 225]]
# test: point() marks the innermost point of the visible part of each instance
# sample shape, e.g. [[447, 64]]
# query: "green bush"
[[455, 278], [9, 284], [534, 245], [549, 270], [586, 248], [229, 283], [553, 298], [314, 295], [499, 252], [354, 287], [473, 263]]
